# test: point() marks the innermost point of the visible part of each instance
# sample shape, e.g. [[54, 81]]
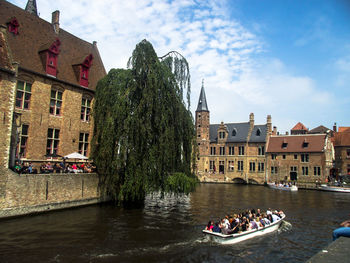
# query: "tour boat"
[[239, 237], [331, 188], [287, 188]]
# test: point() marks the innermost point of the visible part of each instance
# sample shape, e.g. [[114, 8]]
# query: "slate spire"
[[31, 7], [202, 102]]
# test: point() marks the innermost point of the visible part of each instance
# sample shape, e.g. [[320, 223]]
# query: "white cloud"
[[218, 49]]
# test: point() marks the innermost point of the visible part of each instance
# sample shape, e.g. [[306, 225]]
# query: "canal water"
[[169, 229]]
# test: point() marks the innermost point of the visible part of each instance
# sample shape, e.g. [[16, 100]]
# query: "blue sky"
[[289, 59]]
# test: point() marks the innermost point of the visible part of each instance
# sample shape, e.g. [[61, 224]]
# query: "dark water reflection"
[[169, 230]]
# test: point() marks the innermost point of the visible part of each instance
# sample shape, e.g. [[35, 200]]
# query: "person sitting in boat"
[[343, 231], [210, 226], [275, 217], [265, 219], [216, 228], [253, 225]]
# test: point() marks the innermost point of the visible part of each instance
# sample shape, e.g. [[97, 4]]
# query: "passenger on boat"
[[216, 228], [275, 217], [210, 226], [253, 225]]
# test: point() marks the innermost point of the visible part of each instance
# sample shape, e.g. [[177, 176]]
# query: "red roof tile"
[[344, 129], [295, 143], [299, 126], [342, 139]]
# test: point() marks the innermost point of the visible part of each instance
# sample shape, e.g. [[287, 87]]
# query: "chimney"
[[335, 127], [251, 120], [287, 133], [269, 124], [274, 130], [56, 21]]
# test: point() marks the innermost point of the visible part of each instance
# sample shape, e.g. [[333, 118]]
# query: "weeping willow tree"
[[144, 133]]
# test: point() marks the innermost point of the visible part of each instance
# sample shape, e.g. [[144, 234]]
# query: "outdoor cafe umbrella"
[[76, 155]]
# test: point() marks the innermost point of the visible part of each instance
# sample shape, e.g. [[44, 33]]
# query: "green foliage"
[[143, 133]]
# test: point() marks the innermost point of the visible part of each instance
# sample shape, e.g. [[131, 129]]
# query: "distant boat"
[[292, 188], [331, 188], [239, 237]]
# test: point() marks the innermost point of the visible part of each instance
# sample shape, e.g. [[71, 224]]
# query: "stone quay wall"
[[33, 193]]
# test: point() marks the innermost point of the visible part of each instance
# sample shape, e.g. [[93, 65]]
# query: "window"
[[212, 150], [234, 132], [83, 143], [240, 166], [273, 156], [231, 150], [304, 157], [347, 153], [261, 167], [84, 74], [221, 135], [284, 156], [13, 26], [295, 157], [23, 139], [305, 144], [317, 170], [274, 170], [293, 168], [261, 150], [23, 95], [284, 145], [86, 109], [348, 169], [231, 165], [222, 150], [252, 166], [241, 150], [305, 170], [56, 102], [212, 166], [51, 57], [258, 132], [53, 139]]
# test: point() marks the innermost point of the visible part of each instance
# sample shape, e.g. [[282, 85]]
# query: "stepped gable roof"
[[295, 143], [238, 132], [299, 126], [341, 139], [202, 102], [34, 33], [255, 137]]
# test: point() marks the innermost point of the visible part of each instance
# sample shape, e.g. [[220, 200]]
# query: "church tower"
[[202, 132]]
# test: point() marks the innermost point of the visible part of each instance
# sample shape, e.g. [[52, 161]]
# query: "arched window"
[[234, 132]]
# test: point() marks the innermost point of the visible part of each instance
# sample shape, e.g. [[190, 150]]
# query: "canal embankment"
[[337, 251], [23, 194]]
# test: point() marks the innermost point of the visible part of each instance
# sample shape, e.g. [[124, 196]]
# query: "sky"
[[289, 59]]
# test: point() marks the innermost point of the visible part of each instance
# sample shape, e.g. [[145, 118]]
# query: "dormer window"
[[284, 145], [49, 56], [13, 26], [305, 144], [234, 132], [258, 132], [84, 71]]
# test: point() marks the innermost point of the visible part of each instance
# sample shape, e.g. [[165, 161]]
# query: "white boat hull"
[[335, 189], [236, 238], [292, 188]]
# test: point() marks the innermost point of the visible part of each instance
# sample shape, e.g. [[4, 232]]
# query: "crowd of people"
[[54, 167], [245, 221]]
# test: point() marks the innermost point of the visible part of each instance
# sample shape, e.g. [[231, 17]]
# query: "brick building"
[[47, 82], [230, 151], [307, 158], [341, 143], [299, 128]]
